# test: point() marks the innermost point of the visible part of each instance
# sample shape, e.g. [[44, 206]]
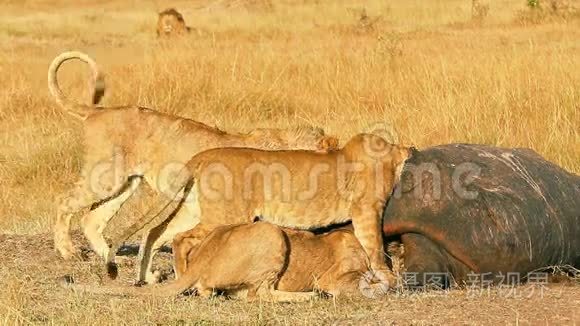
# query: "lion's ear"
[[328, 143]]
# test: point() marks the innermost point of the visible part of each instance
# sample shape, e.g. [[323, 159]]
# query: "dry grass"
[[424, 67], [30, 295]]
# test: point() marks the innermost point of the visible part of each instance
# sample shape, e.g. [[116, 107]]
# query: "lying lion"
[[260, 261], [297, 189], [125, 145]]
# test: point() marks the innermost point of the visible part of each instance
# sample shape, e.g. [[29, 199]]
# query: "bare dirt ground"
[[29, 293]]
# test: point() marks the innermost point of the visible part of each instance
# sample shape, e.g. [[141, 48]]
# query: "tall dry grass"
[[422, 68]]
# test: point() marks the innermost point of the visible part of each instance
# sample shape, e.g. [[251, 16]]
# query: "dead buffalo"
[[462, 210]]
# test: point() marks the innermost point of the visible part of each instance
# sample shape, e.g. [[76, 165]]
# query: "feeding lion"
[[296, 189], [261, 261], [128, 144]]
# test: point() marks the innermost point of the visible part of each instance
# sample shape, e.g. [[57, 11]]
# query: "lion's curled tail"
[[80, 111]]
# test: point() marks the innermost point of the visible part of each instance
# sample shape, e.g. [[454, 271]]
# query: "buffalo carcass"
[[464, 210]]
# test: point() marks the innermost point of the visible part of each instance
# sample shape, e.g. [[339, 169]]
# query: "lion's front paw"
[[73, 254], [153, 278]]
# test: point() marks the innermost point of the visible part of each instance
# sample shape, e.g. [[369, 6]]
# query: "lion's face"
[[170, 22]]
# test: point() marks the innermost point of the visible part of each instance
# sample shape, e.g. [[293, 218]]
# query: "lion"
[[296, 189], [126, 145], [171, 23], [261, 261], [333, 262]]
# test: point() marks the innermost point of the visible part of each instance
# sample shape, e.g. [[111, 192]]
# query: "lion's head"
[[170, 23]]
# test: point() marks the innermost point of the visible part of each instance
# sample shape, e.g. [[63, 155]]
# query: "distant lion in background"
[[171, 23]]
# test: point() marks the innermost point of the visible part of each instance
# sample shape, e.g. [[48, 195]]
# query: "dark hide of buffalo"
[[465, 210]]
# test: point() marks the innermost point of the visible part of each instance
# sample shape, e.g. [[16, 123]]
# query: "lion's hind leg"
[[103, 179], [78, 198], [267, 292], [96, 220], [161, 234]]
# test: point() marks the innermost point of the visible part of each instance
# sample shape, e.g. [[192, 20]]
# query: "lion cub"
[[296, 189], [260, 261], [332, 262]]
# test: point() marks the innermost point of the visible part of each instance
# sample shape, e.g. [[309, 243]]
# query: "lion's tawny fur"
[[171, 23], [332, 262], [297, 189], [128, 144], [260, 260]]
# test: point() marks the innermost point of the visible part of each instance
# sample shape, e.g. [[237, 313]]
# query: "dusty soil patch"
[[29, 294]]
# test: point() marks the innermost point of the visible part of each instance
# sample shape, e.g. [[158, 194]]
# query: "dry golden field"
[[431, 69]]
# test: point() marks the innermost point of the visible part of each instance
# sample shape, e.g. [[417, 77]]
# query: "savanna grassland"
[[432, 71]]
